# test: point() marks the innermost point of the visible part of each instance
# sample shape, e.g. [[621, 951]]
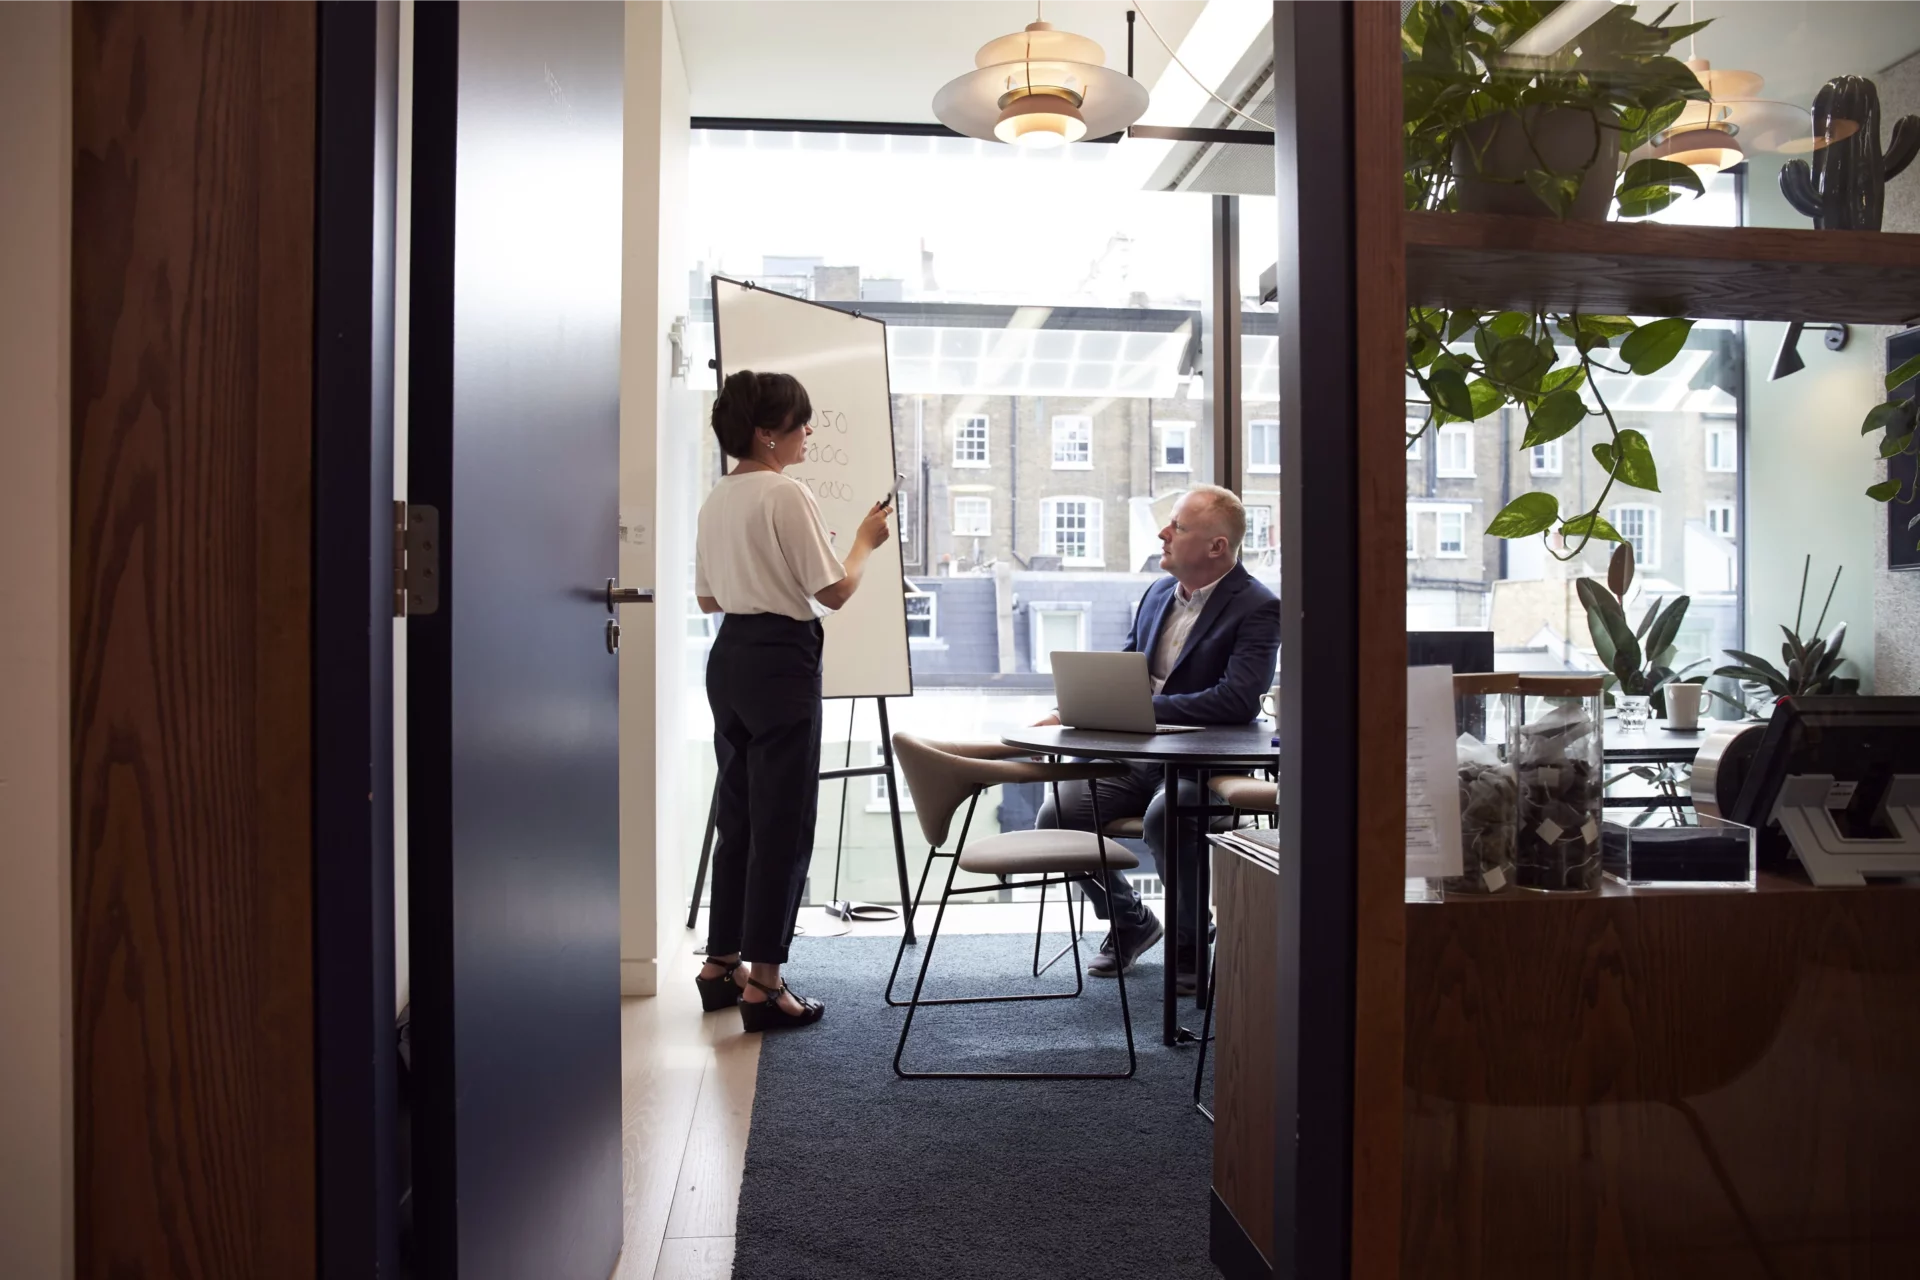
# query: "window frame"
[[1413, 533], [1038, 612], [1453, 431], [1167, 429], [1732, 512], [1555, 462], [1253, 432], [1646, 552], [1265, 523], [877, 786], [1716, 431], [1440, 519], [961, 437], [1416, 418], [1096, 530], [983, 499], [1082, 425], [933, 614]]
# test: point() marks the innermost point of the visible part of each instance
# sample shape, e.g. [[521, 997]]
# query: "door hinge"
[[416, 559]]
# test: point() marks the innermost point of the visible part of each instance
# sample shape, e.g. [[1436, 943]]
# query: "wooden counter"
[[1653, 1084]]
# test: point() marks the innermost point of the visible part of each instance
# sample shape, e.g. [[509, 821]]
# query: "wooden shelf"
[[1649, 269]]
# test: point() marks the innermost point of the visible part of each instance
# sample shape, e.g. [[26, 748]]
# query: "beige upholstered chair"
[[943, 777], [1252, 795]]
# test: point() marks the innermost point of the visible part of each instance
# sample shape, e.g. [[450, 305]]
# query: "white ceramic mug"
[[1270, 701], [1683, 705]]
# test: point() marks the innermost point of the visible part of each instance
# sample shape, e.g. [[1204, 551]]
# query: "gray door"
[[512, 716]]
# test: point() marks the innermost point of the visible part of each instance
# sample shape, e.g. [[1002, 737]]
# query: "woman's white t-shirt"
[[762, 547]]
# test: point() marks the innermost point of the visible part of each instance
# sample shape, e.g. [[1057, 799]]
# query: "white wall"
[[652, 551], [36, 1051], [1807, 471]]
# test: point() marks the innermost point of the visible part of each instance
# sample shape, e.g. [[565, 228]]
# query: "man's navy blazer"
[[1230, 654]]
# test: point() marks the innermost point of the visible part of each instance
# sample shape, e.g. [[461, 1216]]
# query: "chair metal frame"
[[915, 1002]]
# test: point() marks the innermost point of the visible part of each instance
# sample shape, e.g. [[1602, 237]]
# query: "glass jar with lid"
[[1555, 748], [1484, 707]]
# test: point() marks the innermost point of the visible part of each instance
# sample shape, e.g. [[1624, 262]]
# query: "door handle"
[[627, 595]]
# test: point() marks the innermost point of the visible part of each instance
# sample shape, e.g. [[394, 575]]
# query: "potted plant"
[[1812, 666], [1489, 130], [1640, 660]]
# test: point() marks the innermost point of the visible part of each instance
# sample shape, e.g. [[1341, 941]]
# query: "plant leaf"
[[1620, 569], [1895, 416], [1661, 173], [1571, 378], [1906, 372], [1590, 525], [1885, 491], [1660, 639], [1603, 454], [1484, 397], [1554, 190], [1448, 387], [1460, 322], [1510, 324], [1635, 458], [1553, 417], [1513, 359], [1528, 514], [1652, 346], [1895, 444], [1646, 623]]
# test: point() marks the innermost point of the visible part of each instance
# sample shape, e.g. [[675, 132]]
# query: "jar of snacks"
[[1555, 750], [1483, 712]]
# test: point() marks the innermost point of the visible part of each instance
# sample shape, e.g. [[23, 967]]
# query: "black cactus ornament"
[[1844, 188]]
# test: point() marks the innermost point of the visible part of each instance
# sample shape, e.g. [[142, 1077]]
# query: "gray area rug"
[[852, 1172]]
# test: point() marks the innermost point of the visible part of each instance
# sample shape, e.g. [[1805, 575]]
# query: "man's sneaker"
[[1109, 962]]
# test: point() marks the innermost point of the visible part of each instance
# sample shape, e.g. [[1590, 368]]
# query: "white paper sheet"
[[1433, 775]]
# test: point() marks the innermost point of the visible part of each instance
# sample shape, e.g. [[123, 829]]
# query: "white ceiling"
[[883, 59], [1798, 45]]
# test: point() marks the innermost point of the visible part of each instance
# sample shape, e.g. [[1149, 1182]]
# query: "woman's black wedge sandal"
[[722, 992], [771, 1017]]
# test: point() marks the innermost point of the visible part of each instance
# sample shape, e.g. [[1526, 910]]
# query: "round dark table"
[[1211, 749]]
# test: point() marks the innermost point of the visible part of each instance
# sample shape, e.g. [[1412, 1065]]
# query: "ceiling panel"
[[881, 59]]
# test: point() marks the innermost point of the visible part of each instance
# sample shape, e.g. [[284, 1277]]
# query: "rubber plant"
[[1639, 660], [1812, 666], [1470, 364]]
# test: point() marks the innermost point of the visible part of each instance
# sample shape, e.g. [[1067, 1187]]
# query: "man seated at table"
[[1211, 633]]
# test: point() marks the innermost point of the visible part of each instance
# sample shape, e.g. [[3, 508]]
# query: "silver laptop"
[[1107, 691]]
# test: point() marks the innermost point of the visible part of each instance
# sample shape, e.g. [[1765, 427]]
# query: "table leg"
[[1170, 947]]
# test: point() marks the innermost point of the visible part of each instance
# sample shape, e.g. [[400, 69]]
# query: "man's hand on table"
[[1044, 721]]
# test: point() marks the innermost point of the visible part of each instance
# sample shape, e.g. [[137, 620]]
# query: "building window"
[[1072, 443], [972, 517], [1070, 529], [1640, 526], [1263, 445], [970, 443], [1723, 453], [1720, 519], [923, 614], [1417, 428], [1056, 627], [1452, 534], [877, 792], [903, 517], [1176, 438], [1547, 458], [1454, 452], [1259, 529], [1413, 534]]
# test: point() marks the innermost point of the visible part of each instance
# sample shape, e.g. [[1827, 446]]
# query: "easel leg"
[[893, 810], [706, 855]]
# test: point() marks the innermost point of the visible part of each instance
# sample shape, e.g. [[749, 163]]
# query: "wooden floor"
[[689, 1082]]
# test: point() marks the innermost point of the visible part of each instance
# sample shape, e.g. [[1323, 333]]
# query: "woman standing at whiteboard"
[[763, 557]]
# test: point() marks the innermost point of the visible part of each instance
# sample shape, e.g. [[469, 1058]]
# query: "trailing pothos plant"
[[1897, 418], [1457, 70], [1470, 364]]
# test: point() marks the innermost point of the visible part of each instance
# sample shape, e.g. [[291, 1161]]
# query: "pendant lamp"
[[1040, 88], [1735, 122]]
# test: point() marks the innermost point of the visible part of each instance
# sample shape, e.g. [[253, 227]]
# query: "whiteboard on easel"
[[840, 357]]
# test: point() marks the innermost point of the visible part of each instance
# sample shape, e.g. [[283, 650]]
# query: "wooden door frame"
[[1341, 926], [231, 694]]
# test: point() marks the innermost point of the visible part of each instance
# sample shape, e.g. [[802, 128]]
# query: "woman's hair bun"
[[750, 403]]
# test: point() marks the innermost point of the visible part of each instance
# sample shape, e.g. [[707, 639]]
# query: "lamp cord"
[[1261, 125]]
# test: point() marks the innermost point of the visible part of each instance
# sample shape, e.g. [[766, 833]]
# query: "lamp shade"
[[1040, 87], [1704, 150]]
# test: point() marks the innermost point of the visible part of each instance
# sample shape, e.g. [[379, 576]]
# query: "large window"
[[1259, 528], [1072, 443], [1722, 453], [1547, 459], [1070, 529], [1720, 519], [1450, 540], [972, 517], [970, 443], [1050, 404]]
